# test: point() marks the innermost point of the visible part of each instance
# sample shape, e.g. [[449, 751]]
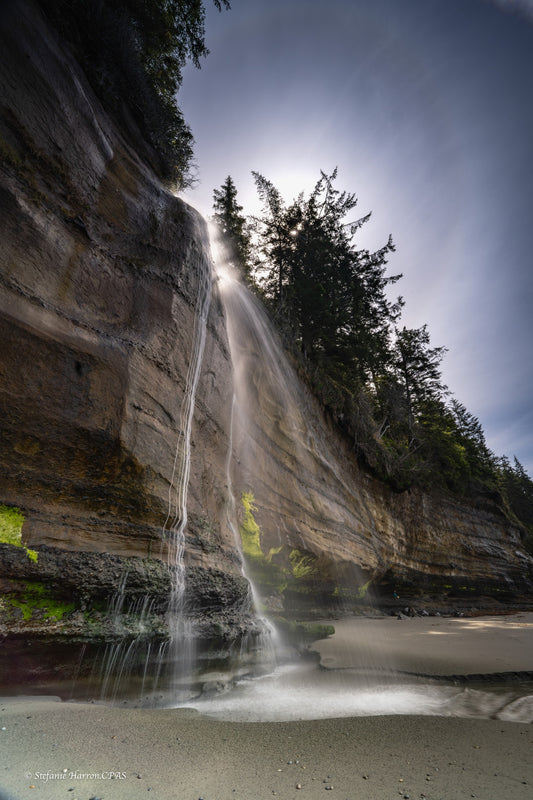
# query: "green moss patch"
[[290, 571], [279, 568], [249, 529], [36, 601], [11, 521], [263, 571], [352, 593], [303, 565]]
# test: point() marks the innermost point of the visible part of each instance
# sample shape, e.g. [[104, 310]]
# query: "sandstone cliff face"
[[100, 269], [328, 530], [99, 273]]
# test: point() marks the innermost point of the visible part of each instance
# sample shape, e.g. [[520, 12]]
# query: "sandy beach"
[[432, 645], [54, 750]]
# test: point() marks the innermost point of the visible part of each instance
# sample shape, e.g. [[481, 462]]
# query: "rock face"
[[100, 271], [327, 530], [100, 274]]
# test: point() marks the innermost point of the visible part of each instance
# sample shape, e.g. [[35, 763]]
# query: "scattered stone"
[[328, 788], [298, 785]]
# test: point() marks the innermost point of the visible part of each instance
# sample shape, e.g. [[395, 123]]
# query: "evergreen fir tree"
[[232, 226]]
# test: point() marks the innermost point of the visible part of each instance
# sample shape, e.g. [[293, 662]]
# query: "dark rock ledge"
[[73, 593]]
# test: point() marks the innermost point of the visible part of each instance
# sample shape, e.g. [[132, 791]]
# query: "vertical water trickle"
[[263, 646], [181, 645]]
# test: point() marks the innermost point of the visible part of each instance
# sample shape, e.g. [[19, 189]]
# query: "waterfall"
[[181, 646], [265, 644], [134, 659]]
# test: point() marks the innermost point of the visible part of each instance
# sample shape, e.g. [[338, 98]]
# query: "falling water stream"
[[181, 645], [271, 686], [136, 650], [298, 689], [266, 643]]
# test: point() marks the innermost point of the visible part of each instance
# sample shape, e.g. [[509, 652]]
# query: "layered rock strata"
[[99, 276]]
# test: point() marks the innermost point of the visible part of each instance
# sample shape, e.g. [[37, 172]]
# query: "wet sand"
[[432, 645], [55, 750], [167, 754]]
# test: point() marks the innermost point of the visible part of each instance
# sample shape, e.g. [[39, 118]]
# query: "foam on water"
[[305, 692]]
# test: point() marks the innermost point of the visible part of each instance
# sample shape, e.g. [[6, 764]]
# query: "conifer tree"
[[517, 489], [232, 226], [331, 295], [133, 52], [418, 368]]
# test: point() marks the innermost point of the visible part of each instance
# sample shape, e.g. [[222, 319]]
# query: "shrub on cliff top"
[[133, 52]]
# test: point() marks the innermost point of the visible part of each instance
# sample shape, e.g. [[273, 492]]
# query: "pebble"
[[298, 785]]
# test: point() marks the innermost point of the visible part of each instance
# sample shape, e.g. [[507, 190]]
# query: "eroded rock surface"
[[99, 278], [99, 275]]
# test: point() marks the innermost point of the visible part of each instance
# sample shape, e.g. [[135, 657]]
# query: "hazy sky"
[[426, 108]]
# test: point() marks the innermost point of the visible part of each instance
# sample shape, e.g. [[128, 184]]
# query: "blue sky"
[[425, 107]]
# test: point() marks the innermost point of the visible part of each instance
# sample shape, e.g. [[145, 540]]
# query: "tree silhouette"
[[232, 226]]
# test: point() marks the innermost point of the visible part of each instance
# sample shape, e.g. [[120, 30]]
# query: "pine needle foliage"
[[133, 52], [379, 382]]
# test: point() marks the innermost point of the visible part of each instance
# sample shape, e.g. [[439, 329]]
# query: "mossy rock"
[[11, 522]]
